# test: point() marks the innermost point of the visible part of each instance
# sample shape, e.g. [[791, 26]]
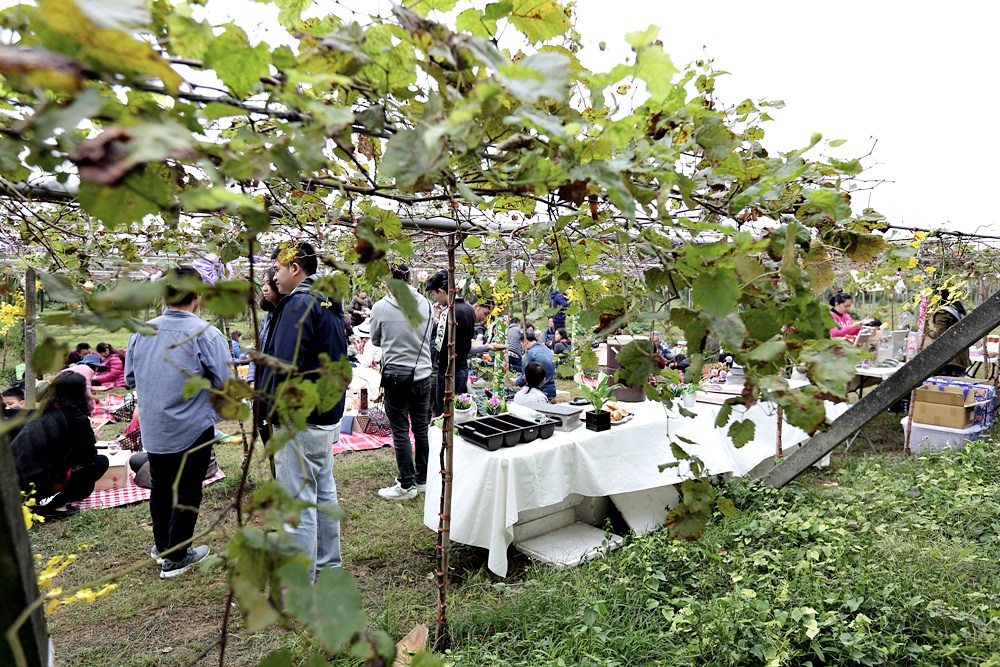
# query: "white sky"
[[918, 77]]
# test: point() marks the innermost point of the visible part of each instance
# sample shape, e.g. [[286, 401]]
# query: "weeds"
[[894, 563]]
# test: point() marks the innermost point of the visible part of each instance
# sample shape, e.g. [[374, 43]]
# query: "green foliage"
[[634, 204], [599, 394], [891, 561]]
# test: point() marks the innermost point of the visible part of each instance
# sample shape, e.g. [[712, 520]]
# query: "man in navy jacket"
[[304, 326]]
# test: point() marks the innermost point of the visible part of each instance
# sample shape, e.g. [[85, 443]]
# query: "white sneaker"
[[396, 492], [154, 553], [421, 488]]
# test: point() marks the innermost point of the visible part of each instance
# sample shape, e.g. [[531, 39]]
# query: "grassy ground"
[[604, 613]]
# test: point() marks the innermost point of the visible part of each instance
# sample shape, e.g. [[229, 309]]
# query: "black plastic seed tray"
[[504, 430]]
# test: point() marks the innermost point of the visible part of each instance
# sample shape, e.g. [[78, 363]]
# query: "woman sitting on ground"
[[112, 360], [561, 343], [840, 309], [55, 454], [534, 377]]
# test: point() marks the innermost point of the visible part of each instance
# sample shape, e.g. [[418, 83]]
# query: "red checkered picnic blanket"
[[359, 442], [106, 405], [128, 494]]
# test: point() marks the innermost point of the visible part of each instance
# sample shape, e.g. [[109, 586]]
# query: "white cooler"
[[924, 437]]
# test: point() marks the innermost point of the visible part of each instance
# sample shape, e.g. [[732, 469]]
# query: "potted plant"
[[465, 408], [495, 405], [598, 394], [689, 394]]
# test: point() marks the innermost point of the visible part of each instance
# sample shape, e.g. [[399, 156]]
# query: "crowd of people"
[[301, 330]]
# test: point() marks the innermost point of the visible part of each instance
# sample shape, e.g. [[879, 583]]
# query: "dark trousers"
[[514, 364], [173, 522], [81, 482], [461, 387], [408, 406]]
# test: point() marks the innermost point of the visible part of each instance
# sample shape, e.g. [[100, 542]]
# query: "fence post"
[[30, 310]]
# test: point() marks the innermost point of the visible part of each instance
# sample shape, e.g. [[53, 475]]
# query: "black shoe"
[[53, 513], [174, 568]]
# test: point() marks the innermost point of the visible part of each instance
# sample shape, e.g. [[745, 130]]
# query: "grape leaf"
[[239, 65], [742, 432], [331, 607], [539, 20], [716, 292], [537, 76], [727, 508]]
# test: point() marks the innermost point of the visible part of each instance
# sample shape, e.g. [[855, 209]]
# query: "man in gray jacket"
[[406, 381], [177, 428]]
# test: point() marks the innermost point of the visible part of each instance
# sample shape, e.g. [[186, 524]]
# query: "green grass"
[[896, 556]]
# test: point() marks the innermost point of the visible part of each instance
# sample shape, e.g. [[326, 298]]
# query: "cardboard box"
[[117, 475], [955, 391], [938, 414]]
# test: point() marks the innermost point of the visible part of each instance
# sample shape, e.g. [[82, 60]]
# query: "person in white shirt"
[[534, 376]]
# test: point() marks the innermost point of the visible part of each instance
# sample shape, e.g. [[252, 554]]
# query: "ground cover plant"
[[888, 561], [883, 559]]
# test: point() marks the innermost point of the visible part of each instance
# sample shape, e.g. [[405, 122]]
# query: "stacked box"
[[977, 399]]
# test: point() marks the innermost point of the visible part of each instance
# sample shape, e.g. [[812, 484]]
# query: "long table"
[[492, 488]]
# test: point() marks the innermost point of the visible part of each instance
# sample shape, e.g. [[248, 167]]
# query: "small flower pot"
[[466, 414], [598, 420], [690, 400]]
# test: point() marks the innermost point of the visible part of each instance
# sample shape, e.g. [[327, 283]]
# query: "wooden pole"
[[959, 337], [26, 645], [441, 637], [30, 310]]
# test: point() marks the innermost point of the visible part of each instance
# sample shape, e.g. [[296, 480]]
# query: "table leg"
[[860, 432]]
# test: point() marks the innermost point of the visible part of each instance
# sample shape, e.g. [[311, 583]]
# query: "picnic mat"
[[359, 442], [106, 405], [128, 494]]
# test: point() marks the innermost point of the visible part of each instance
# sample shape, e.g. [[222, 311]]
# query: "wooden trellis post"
[[441, 637], [28, 645], [30, 310]]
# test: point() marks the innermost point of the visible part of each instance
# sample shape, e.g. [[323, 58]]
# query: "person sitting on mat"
[[534, 377], [56, 454], [114, 362]]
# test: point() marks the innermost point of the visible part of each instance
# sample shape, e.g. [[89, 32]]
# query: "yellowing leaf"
[[539, 20], [104, 49], [655, 67]]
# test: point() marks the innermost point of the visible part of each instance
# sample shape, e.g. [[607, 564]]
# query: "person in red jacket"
[[115, 375], [840, 309]]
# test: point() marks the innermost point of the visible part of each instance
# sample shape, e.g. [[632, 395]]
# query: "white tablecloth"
[[491, 488]]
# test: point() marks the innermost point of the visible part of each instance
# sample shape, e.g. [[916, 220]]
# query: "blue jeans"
[[304, 468], [408, 406]]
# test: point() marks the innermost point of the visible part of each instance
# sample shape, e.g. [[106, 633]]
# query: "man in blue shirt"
[[306, 325], [535, 351], [176, 431]]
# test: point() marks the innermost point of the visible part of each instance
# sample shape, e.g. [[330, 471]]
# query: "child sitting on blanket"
[[534, 377]]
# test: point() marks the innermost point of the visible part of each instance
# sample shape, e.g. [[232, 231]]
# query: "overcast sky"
[[918, 78], [915, 80]]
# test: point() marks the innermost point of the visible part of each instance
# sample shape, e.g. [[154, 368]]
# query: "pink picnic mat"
[[128, 494], [359, 442]]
